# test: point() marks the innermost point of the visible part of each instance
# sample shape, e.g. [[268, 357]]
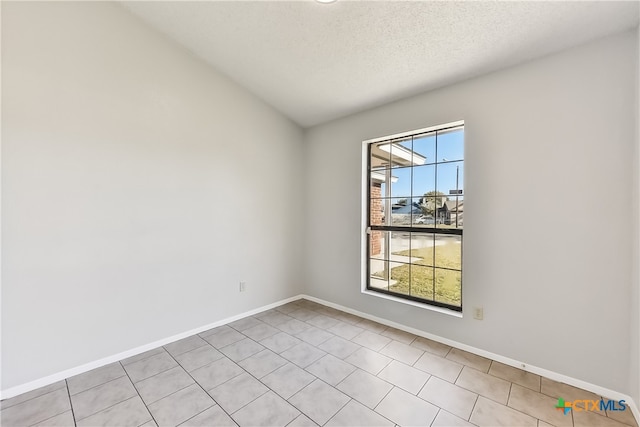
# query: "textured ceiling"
[[316, 62]]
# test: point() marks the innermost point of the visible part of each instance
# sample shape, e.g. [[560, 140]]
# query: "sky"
[[450, 146]]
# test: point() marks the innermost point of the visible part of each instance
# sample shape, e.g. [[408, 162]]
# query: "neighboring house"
[[413, 208], [450, 210], [401, 214]]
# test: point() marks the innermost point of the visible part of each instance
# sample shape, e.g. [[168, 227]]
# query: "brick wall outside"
[[376, 218]]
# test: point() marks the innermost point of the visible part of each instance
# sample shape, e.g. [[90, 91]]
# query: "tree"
[[431, 202]]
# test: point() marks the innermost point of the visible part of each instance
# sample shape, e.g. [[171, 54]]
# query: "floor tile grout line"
[[434, 404], [152, 376], [170, 394], [249, 317], [385, 396], [473, 408], [140, 360], [46, 419], [180, 365], [30, 399], [209, 332], [108, 407], [138, 392], [268, 373], [246, 404], [202, 388], [458, 376], [517, 410], [423, 386], [354, 398], [95, 386], [299, 415], [341, 408], [327, 384], [374, 411], [73, 414], [400, 388], [434, 418], [205, 410], [139, 425], [185, 352], [486, 397], [298, 391], [269, 388]]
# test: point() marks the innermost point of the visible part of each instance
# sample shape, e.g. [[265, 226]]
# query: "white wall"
[[549, 149], [138, 188]]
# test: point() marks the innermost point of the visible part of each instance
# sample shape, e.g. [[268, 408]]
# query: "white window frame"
[[364, 220]]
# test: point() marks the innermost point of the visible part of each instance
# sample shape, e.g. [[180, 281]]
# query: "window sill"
[[413, 303]]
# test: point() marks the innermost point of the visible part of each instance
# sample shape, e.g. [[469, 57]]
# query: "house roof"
[[452, 205], [413, 208]]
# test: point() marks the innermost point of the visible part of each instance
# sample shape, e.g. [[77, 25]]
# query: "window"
[[415, 215]]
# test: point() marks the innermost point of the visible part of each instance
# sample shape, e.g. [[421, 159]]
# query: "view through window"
[[416, 216]]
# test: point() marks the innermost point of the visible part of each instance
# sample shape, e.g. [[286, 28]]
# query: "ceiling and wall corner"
[[316, 62]]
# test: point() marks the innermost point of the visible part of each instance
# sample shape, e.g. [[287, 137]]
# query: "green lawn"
[[447, 283]]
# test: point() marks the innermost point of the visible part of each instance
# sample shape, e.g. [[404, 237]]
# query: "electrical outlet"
[[478, 313], [243, 286]]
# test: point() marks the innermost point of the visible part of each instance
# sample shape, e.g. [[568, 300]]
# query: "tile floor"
[[304, 364]]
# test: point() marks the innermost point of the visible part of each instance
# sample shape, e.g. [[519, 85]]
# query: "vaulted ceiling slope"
[[317, 62]]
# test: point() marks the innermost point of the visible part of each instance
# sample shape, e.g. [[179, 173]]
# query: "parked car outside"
[[425, 219]]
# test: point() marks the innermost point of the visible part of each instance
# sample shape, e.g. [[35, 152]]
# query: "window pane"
[[451, 145], [377, 244], [376, 211], [402, 210], [448, 251], [377, 183], [422, 248], [451, 178], [424, 180], [399, 281], [401, 182], [379, 159], [451, 214], [401, 152], [399, 246], [421, 281], [424, 149], [378, 276], [448, 286], [424, 220], [420, 217], [456, 215]]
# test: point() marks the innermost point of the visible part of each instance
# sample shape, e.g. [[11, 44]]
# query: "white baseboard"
[[601, 391], [50, 379]]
